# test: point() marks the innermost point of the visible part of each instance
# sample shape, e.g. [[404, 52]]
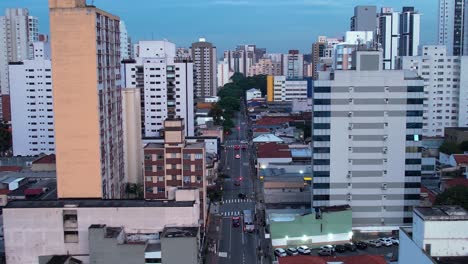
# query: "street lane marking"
[[223, 254]]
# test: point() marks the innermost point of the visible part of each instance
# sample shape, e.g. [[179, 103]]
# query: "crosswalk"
[[230, 201], [231, 213]]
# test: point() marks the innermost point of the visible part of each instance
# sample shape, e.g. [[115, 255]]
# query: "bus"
[[248, 221]]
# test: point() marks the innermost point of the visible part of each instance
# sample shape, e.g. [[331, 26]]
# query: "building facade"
[[88, 105], [266, 67], [224, 74], [367, 129], [364, 18], [165, 83], [281, 89], [176, 163], [453, 28], [243, 57], [410, 27], [442, 88], [125, 42], [204, 60], [32, 104], [293, 65]]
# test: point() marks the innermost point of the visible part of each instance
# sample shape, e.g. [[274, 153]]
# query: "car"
[[236, 221], [340, 248], [394, 240], [350, 246], [325, 252], [236, 147], [242, 195], [237, 156], [385, 242], [237, 183], [332, 248], [244, 142], [292, 251], [361, 245], [244, 146], [374, 243], [303, 250], [279, 252]]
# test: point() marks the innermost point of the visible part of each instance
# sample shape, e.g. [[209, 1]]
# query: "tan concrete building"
[[266, 67], [133, 147], [176, 163], [85, 44]]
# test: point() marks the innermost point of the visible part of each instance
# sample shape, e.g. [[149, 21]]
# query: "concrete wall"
[[409, 252], [179, 250]]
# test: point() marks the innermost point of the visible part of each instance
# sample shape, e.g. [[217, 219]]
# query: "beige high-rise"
[[85, 44]]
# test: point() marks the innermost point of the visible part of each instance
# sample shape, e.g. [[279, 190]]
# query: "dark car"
[[242, 195], [361, 245], [350, 246], [236, 221], [340, 248]]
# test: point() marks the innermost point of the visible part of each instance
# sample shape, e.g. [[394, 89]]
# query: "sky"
[[278, 25]]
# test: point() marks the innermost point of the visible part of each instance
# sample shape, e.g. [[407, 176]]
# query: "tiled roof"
[[367, 259], [271, 121], [261, 129], [273, 150], [455, 182], [49, 159], [461, 159], [204, 105], [10, 168]]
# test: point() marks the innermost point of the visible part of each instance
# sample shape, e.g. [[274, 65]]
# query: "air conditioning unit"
[[350, 128], [350, 114], [384, 186], [384, 151], [385, 137], [349, 199], [348, 175]]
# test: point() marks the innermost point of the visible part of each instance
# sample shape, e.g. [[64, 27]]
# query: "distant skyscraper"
[[453, 26], [367, 142], [87, 101], [293, 65], [364, 18], [204, 60], [125, 42], [241, 59], [223, 73], [410, 27]]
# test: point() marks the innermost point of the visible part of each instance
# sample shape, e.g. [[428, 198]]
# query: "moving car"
[[325, 252], [236, 221], [242, 195], [236, 147], [237, 183], [350, 246], [361, 245], [279, 252], [244, 146], [304, 250], [374, 243], [292, 251], [386, 242], [340, 248], [237, 156]]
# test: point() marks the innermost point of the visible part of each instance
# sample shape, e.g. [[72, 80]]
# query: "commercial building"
[[343, 52], [453, 30], [281, 89], [438, 235], [293, 65], [364, 19], [204, 60], [175, 163], [32, 104], [266, 67], [165, 83], [443, 92], [88, 105], [367, 131]]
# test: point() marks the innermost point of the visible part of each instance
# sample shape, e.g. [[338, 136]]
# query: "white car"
[[237, 156], [327, 247], [304, 250], [394, 240], [279, 252], [385, 241]]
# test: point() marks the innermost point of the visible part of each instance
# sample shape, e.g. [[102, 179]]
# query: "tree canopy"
[[457, 195]]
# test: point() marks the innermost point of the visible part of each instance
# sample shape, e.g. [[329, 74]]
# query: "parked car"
[[236, 221], [394, 240], [242, 195], [385, 241], [304, 250], [325, 252], [340, 248], [374, 243], [350, 246], [332, 248], [361, 245], [292, 251], [279, 252]]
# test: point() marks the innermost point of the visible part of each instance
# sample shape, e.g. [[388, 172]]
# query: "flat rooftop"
[[96, 203], [174, 232], [442, 213]]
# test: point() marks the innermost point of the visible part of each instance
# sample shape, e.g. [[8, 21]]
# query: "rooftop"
[[267, 138], [461, 158], [48, 159], [368, 259], [455, 182], [442, 213], [10, 168], [461, 129], [271, 121], [172, 232], [96, 203], [301, 153], [273, 150], [63, 260]]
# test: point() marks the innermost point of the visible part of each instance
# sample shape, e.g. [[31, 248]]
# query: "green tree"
[[230, 103], [5, 137], [449, 148], [463, 146], [237, 77], [457, 195], [228, 124], [217, 113]]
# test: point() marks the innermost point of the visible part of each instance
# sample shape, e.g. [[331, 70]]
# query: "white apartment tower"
[[293, 65], [125, 42], [204, 60], [166, 86], [32, 111], [442, 88], [453, 26], [367, 126]]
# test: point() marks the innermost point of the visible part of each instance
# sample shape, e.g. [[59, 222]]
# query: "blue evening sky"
[[277, 25]]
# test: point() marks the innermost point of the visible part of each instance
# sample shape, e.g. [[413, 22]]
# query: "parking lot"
[[388, 252]]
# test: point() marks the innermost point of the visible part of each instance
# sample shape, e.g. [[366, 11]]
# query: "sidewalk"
[[210, 255]]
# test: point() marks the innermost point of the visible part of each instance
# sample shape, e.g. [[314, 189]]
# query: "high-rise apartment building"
[[410, 27], [266, 67], [32, 104], [367, 131], [241, 59], [87, 100], [125, 42], [443, 90], [204, 60], [364, 18], [176, 163], [33, 34], [224, 74], [453, 26], [165, 83], [293, 65]]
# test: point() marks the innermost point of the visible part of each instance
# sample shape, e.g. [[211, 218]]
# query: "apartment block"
[[166, 85], [224, 74], [204, 60], [282, 89], [266, 67], [125, 43], [176, 163], [32, 104], [453, 30], [293, 65], [443, 92], [367, 131], [87, 100], [364, 18], [243, 57]]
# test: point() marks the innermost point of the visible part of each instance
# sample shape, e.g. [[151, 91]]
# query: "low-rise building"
[[252, 94], [44, 163], [281, 89]]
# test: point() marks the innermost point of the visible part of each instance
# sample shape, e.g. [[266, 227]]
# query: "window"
[[147, 157], [322, 101], [71, 237], [322, 114], [321, 185], [321, 150], [186, 179], [160, 178], [149, 178], [322, 90], [198, 156], [321, 138], [321, 174], [413, 185], [186, 167], [161, 189], [413, 161], [149, 168], [321, 125], [321, 162], [187, 156], [198, 167]]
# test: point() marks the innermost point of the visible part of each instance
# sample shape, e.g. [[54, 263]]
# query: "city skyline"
[[210, 19]]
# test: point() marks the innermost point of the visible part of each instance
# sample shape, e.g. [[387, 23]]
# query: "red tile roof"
[[461, 159], [271, 121], [273, 150], [204, 105], [455, 182], [261, 129], [49, 159], [430, 194], [10, 168], [361, 259], [4, 191]]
